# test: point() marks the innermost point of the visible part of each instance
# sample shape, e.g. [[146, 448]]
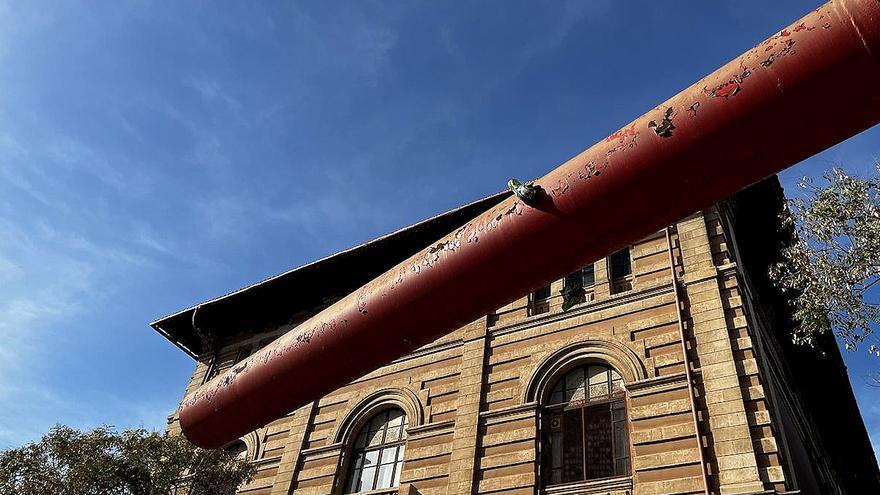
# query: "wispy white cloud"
[[350, 43], [19, 22], [58, 264], [144, 237], [75, 156], [56, 279], [210, 154], [212, 91], [572, 14], [238, 218], [39, 407]]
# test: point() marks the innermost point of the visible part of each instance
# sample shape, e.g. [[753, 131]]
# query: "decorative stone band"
[[621, 485]]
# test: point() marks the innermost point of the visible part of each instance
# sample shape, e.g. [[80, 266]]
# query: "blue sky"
[[156, 155]]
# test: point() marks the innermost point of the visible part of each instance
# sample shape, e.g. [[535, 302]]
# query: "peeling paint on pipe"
[[801, 91]]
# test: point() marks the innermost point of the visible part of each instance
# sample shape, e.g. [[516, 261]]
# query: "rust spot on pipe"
[[787, 49], [589, 170], [434, 252], [515, 208], [561, 188]]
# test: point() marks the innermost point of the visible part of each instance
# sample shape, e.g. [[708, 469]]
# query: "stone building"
[[669, 370]]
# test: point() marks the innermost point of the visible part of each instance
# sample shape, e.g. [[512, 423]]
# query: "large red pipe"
[[801, 91]]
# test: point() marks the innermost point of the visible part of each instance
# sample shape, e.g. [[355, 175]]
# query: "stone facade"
[[708, 407]]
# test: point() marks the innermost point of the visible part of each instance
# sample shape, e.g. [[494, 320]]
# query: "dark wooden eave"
[[284, 298]]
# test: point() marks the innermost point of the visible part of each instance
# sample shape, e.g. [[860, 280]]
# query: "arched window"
[[237, 449], [377, 453], [584, 427]]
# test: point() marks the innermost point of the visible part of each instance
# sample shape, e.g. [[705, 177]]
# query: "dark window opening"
[[620, 268], [585, 427], [621, 264], [492, 319], [377, 454], [576, 285], [588, 275], [539, 300], [542, 293]]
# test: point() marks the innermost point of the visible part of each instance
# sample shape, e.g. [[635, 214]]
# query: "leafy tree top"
[[102, 461], [834, 260]]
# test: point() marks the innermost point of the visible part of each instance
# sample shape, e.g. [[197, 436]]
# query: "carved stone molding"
[[617, 355], [374, 402]]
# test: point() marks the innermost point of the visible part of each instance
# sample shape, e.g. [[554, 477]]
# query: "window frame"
[[233, 448], [621, 282], [540, 305], [611, 400], [575, 289], [611, 265], [355, 456]]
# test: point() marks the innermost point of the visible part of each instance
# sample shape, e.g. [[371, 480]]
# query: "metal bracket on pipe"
[[526, 192]]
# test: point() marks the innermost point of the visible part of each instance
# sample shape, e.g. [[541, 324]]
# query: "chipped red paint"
[[638, 180], [725, 90], [622, 134]]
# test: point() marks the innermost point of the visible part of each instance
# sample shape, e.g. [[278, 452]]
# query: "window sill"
[[621, 285], [383, 491], [618, 485]]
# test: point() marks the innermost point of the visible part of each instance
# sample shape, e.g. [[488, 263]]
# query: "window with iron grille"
[[585, 433], [377, 453]]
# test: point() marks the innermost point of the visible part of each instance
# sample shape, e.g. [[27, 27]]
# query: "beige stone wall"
[[471, 403]]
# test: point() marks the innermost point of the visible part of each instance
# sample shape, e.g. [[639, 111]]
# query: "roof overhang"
[[291, 296]]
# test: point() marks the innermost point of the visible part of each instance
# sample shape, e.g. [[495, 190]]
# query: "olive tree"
[[834, 259], [67, 461]]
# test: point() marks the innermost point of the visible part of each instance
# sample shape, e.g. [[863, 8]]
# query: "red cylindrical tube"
[[801, 91]]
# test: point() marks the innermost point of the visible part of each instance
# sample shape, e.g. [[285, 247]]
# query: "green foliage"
[[67, 461], [834, 259]]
